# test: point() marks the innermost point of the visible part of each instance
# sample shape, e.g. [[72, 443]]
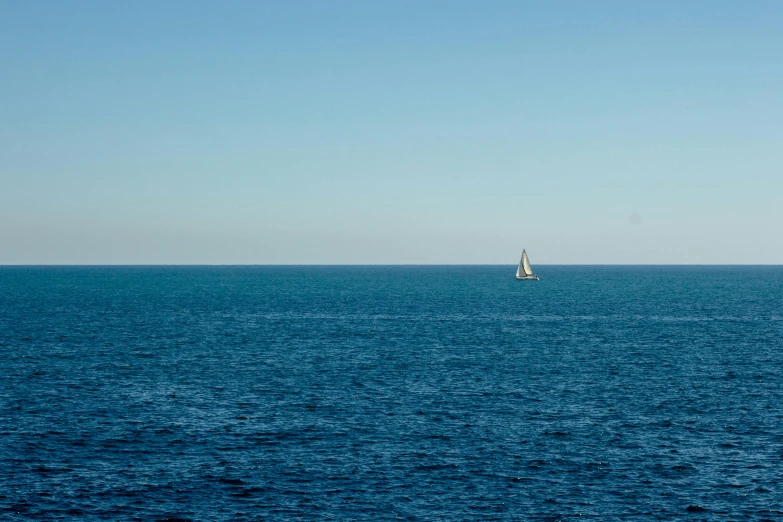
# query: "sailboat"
[[524, 271]]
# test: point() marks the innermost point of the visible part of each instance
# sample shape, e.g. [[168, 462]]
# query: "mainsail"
[[524, 271], [520, 268], [526, 264]]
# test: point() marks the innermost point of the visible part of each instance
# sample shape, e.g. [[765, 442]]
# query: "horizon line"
[[22, 265]]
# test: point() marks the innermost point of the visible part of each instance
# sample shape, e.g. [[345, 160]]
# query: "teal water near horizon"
[[391, 392]]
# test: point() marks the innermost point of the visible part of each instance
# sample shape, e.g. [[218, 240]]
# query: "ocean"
[[391, 393]]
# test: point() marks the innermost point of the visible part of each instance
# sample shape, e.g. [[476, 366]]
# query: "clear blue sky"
[[391, 132]]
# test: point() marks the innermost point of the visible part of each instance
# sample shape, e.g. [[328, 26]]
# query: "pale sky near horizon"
[[311, 132]]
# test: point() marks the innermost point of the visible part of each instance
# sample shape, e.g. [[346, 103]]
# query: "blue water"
[[374, 393]]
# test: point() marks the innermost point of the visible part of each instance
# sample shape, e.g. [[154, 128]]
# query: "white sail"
[[521, 268], [525, 264]]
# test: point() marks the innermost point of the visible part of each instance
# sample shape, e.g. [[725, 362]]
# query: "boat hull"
[[533, 277]]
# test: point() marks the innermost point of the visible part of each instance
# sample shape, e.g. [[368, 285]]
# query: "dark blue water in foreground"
[[369, 393]]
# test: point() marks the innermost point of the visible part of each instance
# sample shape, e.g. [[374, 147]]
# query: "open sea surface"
[[391, 393]]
